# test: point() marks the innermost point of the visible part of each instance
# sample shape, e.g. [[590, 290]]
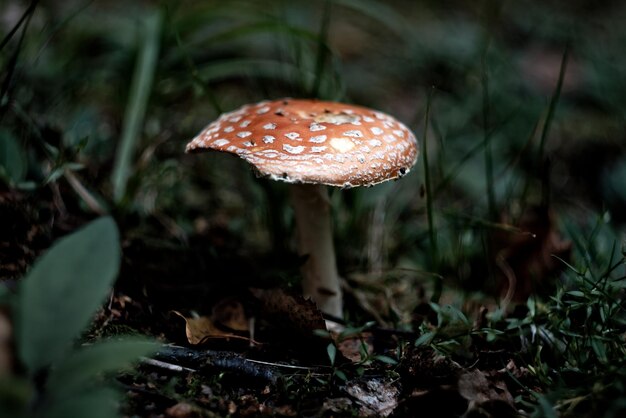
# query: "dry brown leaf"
[[351, 347], [387, 294], [526, 260], [292, 311], [230, 313], [375, 396], [479, 389], [337, 405], [182, 410], [202, 328]]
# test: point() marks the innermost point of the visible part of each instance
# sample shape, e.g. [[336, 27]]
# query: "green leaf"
[[63, 290], [341, 375], [386, 359], [85, 365], [600, 349], [332, 353], [12, 158], [576, 293], [424, 339], [100, 403]]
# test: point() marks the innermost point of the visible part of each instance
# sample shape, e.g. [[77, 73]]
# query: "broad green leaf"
[[600, 349], [100, 403], [86, 365], [63, 290], [545, 407], [332, 353], [386, 359], [341, 375], [424, 339], [12, 158]]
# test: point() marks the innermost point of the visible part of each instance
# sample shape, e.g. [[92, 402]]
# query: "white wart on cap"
[[311, 141]]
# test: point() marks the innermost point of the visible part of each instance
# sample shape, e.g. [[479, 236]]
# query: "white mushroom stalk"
[[313, 143], [321, 281]]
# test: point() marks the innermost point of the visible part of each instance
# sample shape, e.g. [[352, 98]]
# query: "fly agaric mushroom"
[[312, 144]]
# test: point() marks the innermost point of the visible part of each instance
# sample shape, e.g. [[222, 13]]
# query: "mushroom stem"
[[314, 231]]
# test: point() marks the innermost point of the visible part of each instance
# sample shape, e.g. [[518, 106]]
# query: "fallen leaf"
[[386, 295], [375, 396], [284, 410], [337, 405], [182, 410], [230, 314], [290, 311], [353, 346], [480, 389], [526, 260], [200, 329]]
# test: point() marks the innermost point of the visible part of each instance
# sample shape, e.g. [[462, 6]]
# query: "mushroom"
[[312, 144]]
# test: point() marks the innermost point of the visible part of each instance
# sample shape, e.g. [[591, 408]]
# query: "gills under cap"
[[312, 141]]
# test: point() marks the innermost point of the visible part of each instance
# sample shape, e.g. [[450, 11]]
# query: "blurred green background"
[[525, 131]]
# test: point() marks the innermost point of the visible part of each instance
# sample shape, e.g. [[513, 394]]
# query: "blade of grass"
[[204, 86], [138, 98], [457, 168], [434, 251], [460, 163], [289, 50], [515, 180], [251, 67], [491, 13], [26, 15], [322, 50], [12, 64], [474, 221], [548, 123], [277, 26], [379, 11], [553, 102], [491, 200]]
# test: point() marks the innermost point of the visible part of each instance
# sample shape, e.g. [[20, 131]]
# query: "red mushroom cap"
[[311, 141]]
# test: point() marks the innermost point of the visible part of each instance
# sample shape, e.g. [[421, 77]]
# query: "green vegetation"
[[54, 303], [505, 245]]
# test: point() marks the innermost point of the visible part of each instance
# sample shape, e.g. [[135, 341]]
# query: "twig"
[[91, 202], [167, 366], [178, 358]]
